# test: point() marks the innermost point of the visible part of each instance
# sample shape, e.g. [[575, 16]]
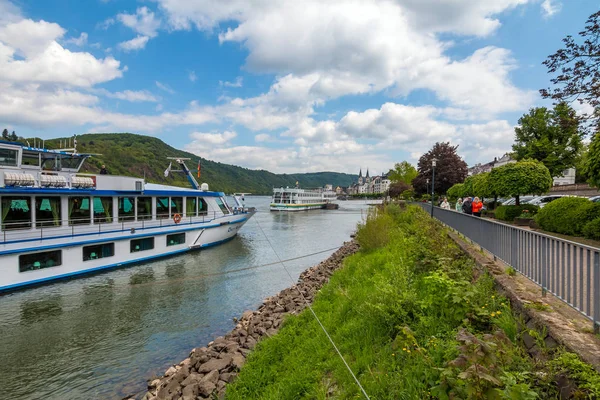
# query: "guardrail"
[[568, 270]]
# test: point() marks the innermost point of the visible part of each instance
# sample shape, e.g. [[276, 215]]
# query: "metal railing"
[[568, 270]]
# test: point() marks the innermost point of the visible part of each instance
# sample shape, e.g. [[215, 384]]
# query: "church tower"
[[360, 177], [367, 179]]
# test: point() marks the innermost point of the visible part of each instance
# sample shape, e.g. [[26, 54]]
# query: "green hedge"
[[591, 230], [509, 213], [568, 215]]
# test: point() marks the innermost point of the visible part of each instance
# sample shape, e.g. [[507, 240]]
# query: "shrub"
[[591, 230], [509, 213], [374, 232], [568, 215]]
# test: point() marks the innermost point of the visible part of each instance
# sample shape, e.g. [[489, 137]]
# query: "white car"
[[541, 201]]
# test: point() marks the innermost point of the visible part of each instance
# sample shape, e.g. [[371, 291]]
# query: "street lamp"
[[427, 187], [433, 164]]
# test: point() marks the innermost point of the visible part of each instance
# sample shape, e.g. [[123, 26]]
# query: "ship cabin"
[[43, 195]]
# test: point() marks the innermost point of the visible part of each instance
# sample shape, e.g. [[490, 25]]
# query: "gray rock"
[[190, 391], [212, 376], [220, 386], [238, 361], [205, 388], [192, 378], [250, 342], [227, 377], [215, 364]]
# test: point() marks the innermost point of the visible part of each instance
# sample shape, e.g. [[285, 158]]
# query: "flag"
[[198, 168], [168, 170]]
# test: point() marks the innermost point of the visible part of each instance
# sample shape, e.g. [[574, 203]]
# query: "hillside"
[[138, 155]]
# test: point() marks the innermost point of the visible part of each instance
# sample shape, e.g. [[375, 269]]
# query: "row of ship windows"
[[47, 259], [16, 211]]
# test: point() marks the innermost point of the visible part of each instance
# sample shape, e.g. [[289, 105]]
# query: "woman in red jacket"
[[477, 206]]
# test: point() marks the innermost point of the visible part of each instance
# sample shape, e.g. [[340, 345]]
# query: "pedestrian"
[[477, 206], [103, 170], [445, 205], [459, 205], [467, 206]]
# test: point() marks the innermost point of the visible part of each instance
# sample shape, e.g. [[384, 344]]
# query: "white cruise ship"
[[296, 199], [57, 223]]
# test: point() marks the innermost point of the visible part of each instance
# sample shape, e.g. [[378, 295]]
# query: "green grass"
[[409, 318]]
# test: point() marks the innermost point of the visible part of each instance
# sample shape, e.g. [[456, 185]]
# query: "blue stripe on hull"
[[105, 268]]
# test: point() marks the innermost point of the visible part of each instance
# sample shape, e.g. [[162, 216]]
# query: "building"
[[567, 177], [368, 184]]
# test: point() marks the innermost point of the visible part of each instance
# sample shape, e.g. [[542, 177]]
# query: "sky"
[[283, 85]]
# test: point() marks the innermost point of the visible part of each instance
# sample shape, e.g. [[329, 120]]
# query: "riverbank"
[[209, 369]]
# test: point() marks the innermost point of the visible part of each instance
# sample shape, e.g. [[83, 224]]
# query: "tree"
[[450, 169], [592, 163], [5, 134], [550, 136], [397, 188], [456, 191], [523, 177], [403, 172], [13, 137], [576, 66]]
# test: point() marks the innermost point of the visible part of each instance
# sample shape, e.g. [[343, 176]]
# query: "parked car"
[[522, 199], [595, 199], [541, 201]]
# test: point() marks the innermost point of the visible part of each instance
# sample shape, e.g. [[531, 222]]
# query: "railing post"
[[543, 264], [596, 292]]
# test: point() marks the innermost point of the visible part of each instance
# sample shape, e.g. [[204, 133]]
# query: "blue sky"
[[288, 86]]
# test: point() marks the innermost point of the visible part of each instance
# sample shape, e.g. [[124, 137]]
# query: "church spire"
[[367, 173], [360, 173]]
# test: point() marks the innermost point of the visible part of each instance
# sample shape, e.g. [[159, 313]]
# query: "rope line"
[[313, 312]]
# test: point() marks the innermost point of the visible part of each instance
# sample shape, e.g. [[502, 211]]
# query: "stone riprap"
[[208, 370]]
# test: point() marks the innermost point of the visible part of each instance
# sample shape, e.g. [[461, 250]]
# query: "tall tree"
[[13, 137], [450, 169], [592, 162], [5, 134], [577, 76], [403, 172], [523, 177], [550, 136]]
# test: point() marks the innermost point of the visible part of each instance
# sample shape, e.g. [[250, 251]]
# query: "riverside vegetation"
[[415, 319]]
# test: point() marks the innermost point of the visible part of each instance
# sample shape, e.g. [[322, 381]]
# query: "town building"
[[567, 177], [368, 184]]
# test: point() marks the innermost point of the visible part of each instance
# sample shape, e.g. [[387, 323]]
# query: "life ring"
[[177, 218]]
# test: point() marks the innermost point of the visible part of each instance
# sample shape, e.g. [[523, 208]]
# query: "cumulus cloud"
[[237, 83], [142, 22], [205, 139], [550, 7], [129, 95], [78, 41], [137, 43]]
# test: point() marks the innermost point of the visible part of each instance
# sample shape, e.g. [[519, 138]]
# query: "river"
[[103, 336]]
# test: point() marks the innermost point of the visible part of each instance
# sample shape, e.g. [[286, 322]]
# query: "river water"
[[103, 336]]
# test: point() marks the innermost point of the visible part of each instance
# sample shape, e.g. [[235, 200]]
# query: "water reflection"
[[46, 308]]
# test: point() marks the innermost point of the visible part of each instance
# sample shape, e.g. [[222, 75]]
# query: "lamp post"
[[427, 186], [433, 164]]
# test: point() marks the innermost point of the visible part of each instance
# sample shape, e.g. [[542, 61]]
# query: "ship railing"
[[24, 230]]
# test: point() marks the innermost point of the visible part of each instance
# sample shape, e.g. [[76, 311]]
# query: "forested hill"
[[138, 155]]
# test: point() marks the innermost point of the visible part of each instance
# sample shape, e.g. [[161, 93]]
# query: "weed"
[[511, 271], [586, 377]]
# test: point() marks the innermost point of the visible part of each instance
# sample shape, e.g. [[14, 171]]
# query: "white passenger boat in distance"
[[57, 223], [296, 199]]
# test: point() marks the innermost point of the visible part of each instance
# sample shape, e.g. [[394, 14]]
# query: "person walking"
[[467, 206], [458, 205], [103, 170], [477, 206], [445, 205]]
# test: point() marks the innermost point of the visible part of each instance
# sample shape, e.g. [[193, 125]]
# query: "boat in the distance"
[[57, 222], [296, 199]]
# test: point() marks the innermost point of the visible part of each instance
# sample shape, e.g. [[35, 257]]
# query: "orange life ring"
[[177, 218]]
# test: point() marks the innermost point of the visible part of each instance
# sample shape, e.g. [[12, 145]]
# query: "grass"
[[411, 321]]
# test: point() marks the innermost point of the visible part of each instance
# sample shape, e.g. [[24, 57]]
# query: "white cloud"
[[80, 41], [192, 76], [164, 87], [551, 7], [107, 23], [237, 83], [129, 95], [142, 22], [9, 12], [137, 43], [212, 139], [263, 137]]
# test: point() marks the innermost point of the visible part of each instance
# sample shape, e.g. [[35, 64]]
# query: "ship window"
[[30, 159], [144, 205], [51, 164], [79, 210], [221, 205], [70, 162], [46, 259], [162, 207], [98, 251], [47, 211], [103, 210], [8, 157], [126, 209], [202, 206], [141, 244], [175, 239], [16, 213], [176, 205], [190, 206]]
